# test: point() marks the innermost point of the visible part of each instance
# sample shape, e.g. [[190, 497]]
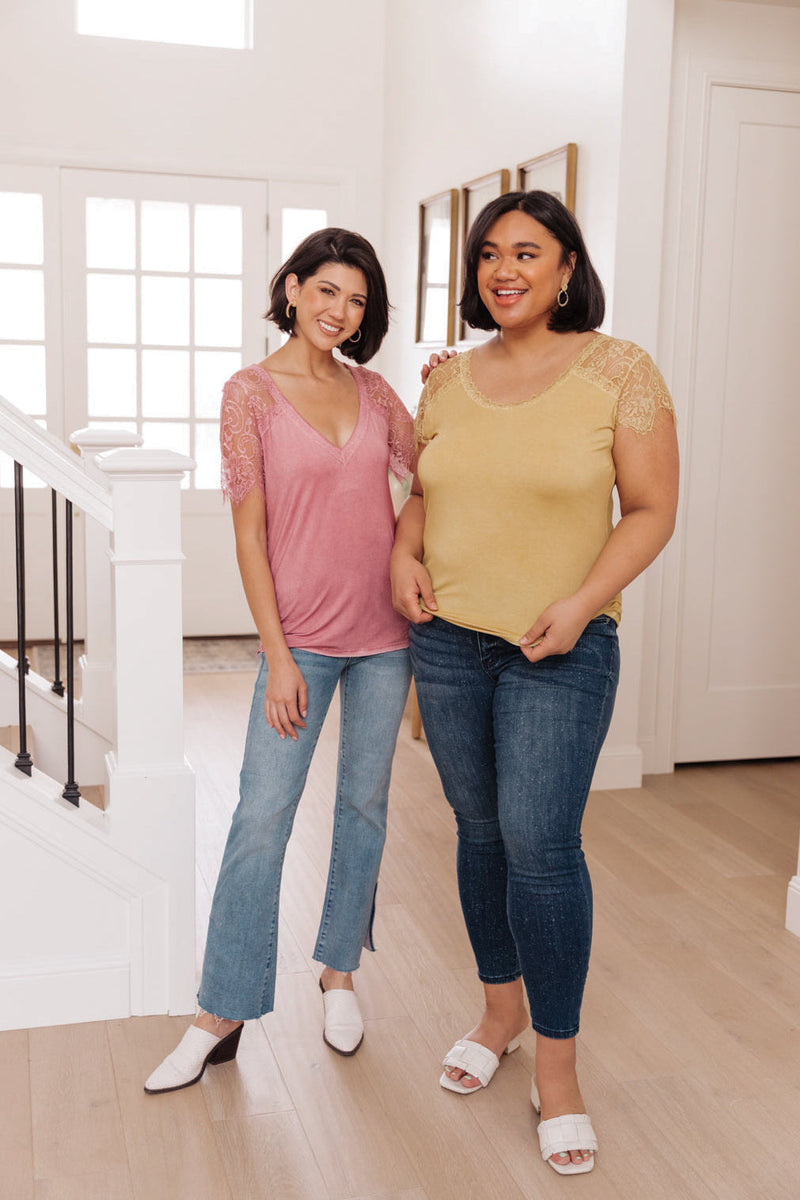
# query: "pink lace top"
[[330, 521]]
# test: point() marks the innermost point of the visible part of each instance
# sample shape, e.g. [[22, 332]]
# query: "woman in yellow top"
[[509, 567]]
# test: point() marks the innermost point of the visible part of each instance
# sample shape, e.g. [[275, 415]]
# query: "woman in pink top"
[[307, 443]]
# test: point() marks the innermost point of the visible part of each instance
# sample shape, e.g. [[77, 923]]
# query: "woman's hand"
[[286, 699], [557, 629], [434, 361], [411, 584]]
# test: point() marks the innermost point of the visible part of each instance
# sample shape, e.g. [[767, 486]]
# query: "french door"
[[144, 293]]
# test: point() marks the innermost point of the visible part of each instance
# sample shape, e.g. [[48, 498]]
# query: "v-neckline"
[[306, 423]]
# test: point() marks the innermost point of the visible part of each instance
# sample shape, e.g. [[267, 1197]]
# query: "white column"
[[151, 786], [644, 136], [97, 662]]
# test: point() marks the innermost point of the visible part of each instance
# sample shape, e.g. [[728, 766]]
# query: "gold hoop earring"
[[353, 337], [563, 303], [288, 312]]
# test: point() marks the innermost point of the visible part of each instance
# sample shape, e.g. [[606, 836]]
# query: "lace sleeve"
[[242, 452], [642, 394], [401, 434], [401, 427]]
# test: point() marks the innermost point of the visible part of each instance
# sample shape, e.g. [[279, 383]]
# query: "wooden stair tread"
[[9, 738]]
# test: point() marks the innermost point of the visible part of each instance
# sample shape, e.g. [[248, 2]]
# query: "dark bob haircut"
[[587, 304], [352, 250]]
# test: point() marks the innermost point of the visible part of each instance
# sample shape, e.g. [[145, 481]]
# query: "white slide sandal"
[[473, 1059]]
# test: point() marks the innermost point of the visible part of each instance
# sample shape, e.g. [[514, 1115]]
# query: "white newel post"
[[97, 663], [151, 786]]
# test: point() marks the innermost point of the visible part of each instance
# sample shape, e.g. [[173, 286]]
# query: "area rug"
[[200, 655]]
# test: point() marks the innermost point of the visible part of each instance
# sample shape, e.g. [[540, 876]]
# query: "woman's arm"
[[286, 701], [647, 485], [410, 581]]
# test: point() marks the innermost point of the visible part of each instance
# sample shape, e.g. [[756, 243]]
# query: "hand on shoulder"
[[434, 361]]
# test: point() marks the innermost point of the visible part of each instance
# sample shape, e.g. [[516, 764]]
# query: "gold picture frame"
[[555, 172], [436, 270], [474, 195]]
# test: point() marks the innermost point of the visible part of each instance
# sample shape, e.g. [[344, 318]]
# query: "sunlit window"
[[223, 23], [164, 320]]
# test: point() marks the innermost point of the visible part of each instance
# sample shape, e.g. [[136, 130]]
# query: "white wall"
[[476, 85], [737, 30], [305, 104]]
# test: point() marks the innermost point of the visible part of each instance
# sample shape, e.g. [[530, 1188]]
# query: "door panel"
[[739, 668]]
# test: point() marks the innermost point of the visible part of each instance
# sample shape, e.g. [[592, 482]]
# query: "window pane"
[[165, 311], [211, 370], [167, 435], [191, 22], [218, 312], [206, 453], [298, 223], [111, 308], [22, 305], [22, 378], [218, 239], [165, 383], [112, 383], [21, 228], [110, 233], [165, 236]]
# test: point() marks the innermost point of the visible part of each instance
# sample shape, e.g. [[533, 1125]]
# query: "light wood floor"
[[689, 1052]]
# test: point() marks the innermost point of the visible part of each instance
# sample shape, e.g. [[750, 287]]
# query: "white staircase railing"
[[130, 867]]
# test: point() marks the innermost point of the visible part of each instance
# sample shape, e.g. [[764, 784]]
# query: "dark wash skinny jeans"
[[515, 744]]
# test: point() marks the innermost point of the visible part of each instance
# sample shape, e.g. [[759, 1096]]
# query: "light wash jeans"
[[238, 979], [516, 744]]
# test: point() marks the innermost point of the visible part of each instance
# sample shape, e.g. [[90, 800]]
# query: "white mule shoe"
[[473, 1059], [187, 1062], [559, 1135], [343, 1030]]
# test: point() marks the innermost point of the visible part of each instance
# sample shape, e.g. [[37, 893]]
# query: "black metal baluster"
[[23, 761], [58, 686], [71, 790]]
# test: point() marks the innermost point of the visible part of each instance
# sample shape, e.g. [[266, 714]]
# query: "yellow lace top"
[[518, 498]]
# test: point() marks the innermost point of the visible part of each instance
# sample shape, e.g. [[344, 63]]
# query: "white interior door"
[[127, 299], [164, 280], [738, 693]]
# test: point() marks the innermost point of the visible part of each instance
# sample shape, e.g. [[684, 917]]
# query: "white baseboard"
[[618, 767], [793, 906], [57, 994]]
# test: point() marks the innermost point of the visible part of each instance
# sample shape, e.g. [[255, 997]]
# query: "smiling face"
[[521, 268], [329, 305]]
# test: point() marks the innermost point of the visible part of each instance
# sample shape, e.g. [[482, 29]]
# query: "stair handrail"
[[42, 453]]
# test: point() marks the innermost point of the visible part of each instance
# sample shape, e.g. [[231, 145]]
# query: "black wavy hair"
[[336, 246], [587, 303]]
